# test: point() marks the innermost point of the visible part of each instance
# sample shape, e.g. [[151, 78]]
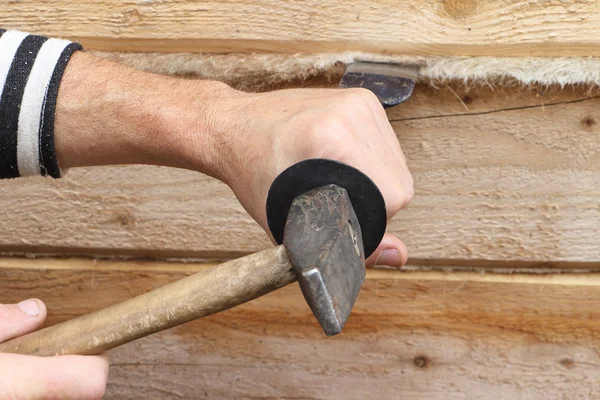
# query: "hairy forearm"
[[108, 113]]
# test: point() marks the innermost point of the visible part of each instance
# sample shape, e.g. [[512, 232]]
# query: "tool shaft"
[[204, 293]]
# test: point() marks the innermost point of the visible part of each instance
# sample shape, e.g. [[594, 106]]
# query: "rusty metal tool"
[[391, 83], [328, 217]]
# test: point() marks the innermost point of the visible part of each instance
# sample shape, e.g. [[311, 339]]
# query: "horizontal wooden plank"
[[500, 175], [420, 335], [458, 27]]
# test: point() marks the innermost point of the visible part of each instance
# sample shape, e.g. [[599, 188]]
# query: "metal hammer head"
[[329, 216], [324, 242], [391, 83]]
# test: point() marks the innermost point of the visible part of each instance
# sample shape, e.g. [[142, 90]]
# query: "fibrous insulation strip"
[[259, 71]]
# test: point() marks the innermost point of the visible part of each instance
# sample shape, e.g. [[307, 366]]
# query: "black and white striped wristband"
[[31, 69]]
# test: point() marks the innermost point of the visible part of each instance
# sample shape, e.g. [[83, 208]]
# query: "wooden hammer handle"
[[196, 296]]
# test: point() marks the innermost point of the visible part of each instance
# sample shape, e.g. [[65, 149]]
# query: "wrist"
[[202, 127]]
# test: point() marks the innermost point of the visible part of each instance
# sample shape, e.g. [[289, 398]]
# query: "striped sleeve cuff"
[[31, 68]]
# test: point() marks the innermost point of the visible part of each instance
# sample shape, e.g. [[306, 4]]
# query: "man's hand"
[[110, 114], [28, 378], [260, 135]]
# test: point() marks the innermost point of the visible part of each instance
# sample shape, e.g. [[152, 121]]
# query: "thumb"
[[390, 252], [19, 319]]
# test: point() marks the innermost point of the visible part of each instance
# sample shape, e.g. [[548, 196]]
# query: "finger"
[[391, 252], [63, 377], [19, 319]]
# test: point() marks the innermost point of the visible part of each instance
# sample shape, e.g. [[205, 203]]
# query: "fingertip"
[[31, 307], [403, 252], [42, 310]]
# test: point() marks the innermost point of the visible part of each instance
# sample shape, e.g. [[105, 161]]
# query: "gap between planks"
[[387, 274]]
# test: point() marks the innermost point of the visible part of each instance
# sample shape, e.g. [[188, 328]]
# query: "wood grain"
[[459, 27], [411, 335], [507, 176]]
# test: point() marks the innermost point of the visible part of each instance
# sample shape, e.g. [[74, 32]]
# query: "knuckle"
[[330, 132], [403, 196], [356, 102], [408, 192], [333, 124], [361, 94]]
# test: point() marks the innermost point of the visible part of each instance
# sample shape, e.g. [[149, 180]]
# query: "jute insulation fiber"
[[258, 72]]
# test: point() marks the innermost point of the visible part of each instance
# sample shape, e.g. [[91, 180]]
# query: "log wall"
[[499, 300]]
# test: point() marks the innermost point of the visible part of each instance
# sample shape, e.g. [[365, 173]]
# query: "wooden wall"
[[420, 335], [507, 182], [441, 27], [509, 176]]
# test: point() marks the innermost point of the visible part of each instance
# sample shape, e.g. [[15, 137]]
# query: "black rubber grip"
[[367, 200]]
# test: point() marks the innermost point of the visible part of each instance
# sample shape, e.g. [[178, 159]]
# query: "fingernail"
[[30, 307], [389, 257]]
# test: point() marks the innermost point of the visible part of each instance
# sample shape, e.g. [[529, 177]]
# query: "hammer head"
[[324, 242]]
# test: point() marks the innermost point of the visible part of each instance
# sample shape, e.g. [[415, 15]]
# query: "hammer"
[[326, 216]]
